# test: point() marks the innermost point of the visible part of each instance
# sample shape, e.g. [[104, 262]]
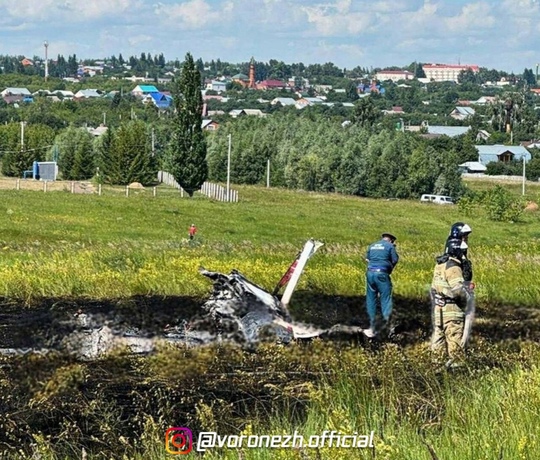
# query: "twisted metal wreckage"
[[237, 311]]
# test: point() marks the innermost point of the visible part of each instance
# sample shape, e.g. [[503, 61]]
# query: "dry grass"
[[11, 183]]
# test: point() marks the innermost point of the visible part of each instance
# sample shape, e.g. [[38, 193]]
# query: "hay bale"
[[136, 185], [531, 206]]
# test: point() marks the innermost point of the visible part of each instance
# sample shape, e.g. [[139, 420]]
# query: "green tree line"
[[324, 155]]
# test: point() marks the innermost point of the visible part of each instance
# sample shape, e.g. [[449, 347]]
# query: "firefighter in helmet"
[[450, 295], [459, 232]]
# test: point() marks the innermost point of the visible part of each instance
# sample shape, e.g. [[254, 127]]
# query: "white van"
[[439, 199]]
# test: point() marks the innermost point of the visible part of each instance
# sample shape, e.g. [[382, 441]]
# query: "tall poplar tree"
[[186, 156], [76, 155]]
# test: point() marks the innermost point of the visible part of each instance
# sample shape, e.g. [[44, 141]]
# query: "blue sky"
[[499, 34]]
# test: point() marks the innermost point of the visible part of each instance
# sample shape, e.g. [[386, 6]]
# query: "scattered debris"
[[237, 311]]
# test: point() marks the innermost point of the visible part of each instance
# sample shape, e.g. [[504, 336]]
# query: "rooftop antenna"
[[46, 45]]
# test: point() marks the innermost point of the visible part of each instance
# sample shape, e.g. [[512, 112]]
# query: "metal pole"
[[46, 44], [22, 136], [268, 174], [229, 168], [524, 178]]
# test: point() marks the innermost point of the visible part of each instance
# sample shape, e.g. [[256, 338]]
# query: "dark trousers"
[[378, 285]]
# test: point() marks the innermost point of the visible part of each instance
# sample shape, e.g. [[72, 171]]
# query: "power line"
[[27, 150]]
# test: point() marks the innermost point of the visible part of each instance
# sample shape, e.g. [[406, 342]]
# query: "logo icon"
[[178, 441]]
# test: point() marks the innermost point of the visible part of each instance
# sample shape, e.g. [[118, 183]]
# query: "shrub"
[[502, 205]]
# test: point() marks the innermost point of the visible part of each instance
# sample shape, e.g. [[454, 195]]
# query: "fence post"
[[154, 191], [99, 189], [127, 190], [18, 184], [45, 186], [72, 187]]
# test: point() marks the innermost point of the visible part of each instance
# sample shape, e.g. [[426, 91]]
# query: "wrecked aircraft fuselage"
[[237, 311]]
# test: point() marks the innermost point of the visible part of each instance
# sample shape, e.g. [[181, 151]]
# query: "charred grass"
[[55, 406]]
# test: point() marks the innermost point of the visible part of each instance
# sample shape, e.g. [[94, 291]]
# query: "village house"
[[209, 125], [143, 90], [462, 113], [394, 75], [504, 153]]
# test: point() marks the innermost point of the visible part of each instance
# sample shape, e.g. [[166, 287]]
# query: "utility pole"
[[229, 168], [524, 178], [46, 45], [22, 135]]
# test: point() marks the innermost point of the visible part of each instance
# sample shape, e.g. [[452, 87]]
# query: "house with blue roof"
[[160, 100], [143, 90], [504, 153]]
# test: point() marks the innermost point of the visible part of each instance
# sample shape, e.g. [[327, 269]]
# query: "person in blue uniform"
[[382, 258]]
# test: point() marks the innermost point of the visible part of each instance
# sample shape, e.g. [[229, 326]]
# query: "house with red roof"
[[446, 72], [271, 84]]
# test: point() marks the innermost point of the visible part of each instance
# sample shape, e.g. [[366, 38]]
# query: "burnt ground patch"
[[43, 324], [92, 403]]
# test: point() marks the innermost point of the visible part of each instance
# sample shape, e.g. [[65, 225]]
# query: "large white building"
[[446, 72], [394, 75]]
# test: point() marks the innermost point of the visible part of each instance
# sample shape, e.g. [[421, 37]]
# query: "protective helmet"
[[456, 248], [459, 230]]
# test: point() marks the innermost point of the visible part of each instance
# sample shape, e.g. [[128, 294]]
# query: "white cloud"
[[340, 53], [193, 14], [498, 34], [519, 6], [139, 39], [342, 22], [75, 10], [473, 16]]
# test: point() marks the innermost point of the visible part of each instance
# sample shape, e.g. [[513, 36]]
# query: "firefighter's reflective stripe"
[[448, 280], [450, 312]]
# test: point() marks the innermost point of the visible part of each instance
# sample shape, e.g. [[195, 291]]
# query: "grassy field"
[[60, 245]]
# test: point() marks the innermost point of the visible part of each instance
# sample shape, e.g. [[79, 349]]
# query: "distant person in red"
[[192, 231]]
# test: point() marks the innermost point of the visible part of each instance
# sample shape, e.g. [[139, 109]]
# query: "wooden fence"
[[210, 189]]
